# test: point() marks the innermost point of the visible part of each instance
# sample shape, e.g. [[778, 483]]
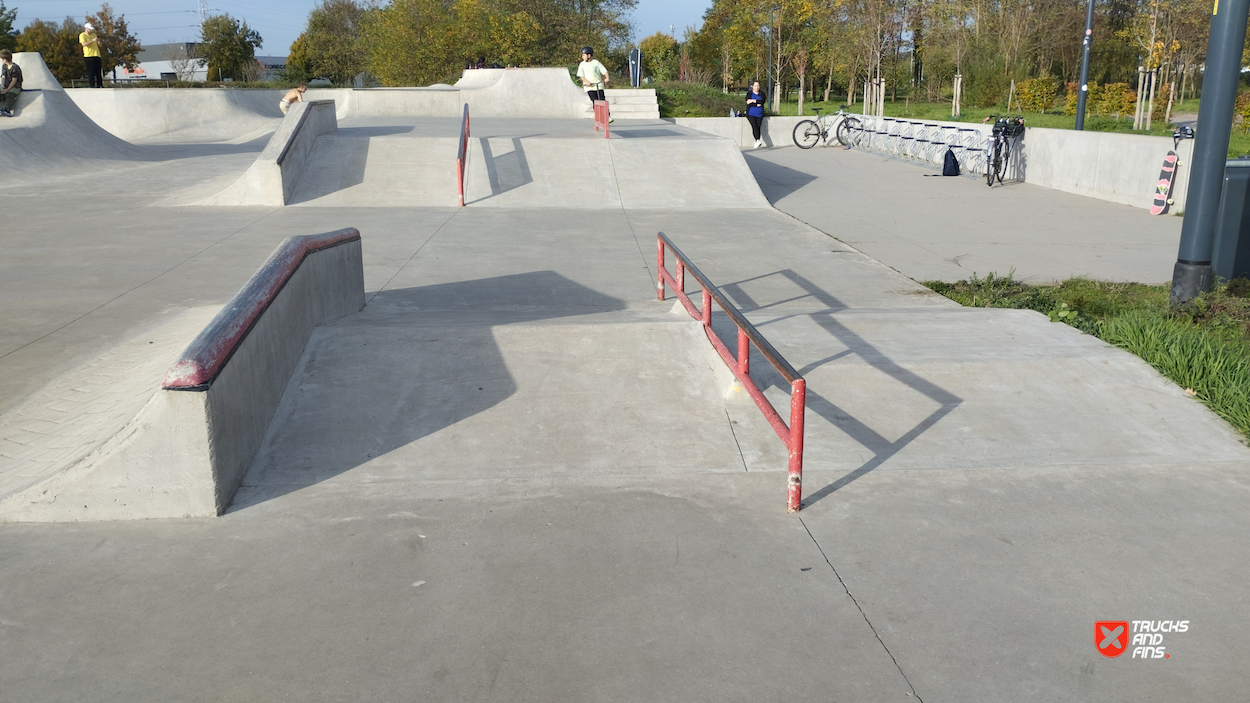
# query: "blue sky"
[[280, 21]]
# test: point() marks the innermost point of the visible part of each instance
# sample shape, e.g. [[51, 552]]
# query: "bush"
[[678, 99], [1036, 94]]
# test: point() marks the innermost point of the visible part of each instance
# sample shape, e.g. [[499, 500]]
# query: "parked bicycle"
[[999, 151], [848, 132]]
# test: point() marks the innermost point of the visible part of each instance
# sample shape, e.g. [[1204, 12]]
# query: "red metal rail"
[[602, 116], [208, 353], [791, 435], [463, 154]]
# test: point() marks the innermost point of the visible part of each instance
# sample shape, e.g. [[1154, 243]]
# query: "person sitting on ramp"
[[10, 83], [295, 95]]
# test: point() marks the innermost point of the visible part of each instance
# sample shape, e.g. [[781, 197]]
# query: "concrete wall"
[[187, 451], [272, 178], [775, 131], [180, 114], [1121, 168]]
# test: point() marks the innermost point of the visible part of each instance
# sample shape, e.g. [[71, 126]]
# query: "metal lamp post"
[[769, 97], [1085, 46], [1192, 274]]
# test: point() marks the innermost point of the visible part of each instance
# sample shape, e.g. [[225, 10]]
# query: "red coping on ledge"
[[203, 360]]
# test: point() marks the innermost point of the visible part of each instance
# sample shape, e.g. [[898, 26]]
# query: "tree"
[[58, 45], [660, 54], [330, 47], [117, 46], [8, 35], [229, 46]]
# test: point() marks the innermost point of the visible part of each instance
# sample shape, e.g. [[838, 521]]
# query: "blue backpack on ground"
[[951, 165]]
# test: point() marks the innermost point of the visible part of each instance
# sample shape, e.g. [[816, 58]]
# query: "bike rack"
[[740, 365]]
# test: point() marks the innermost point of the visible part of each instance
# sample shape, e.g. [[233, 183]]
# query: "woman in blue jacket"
[[755, 111]]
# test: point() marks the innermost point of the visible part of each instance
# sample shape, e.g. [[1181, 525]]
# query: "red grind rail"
[[602, 116], [204, 359], [791, 435], [463, 154]]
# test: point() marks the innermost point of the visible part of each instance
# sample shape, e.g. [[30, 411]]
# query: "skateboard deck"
[[1163, 189]]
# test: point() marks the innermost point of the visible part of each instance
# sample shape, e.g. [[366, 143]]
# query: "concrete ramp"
[[181, 114], [49, 131], [391, 398], [271, 180], [645, 166]]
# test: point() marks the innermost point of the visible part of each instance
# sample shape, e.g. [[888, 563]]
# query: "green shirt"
[[594, 72]]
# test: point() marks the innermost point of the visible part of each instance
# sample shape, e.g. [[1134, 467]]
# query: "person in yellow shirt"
[[91, 56]]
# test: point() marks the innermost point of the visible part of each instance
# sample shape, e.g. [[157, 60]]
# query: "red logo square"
[[1111, 637]]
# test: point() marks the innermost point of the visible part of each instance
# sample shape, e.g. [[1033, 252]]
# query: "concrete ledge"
[[775, 131], [1121, 168], [186, 452], [272, 178]]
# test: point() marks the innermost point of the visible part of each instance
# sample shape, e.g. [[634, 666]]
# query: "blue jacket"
[[756, 110]]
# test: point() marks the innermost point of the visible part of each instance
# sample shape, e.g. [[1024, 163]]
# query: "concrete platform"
[[934, 228], [982, 485]]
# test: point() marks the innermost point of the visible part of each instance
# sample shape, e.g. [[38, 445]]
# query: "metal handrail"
[[792, 434], [462, 154]]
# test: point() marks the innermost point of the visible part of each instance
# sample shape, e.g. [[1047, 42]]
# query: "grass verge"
[[1203, 347]]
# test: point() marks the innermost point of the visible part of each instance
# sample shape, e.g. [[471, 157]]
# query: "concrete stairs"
[[631, 104]]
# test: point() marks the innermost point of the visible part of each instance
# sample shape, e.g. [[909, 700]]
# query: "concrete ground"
[[517, 476], [947, 229]]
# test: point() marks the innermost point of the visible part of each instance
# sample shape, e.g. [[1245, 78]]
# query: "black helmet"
[[588, 51]]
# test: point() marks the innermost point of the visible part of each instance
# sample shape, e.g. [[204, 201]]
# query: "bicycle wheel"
[[806, 134], [850, 130], [992, 163], [1002, 170]]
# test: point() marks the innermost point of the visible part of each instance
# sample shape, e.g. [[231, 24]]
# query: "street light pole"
[[1085, 46], [769, 98], [1192, 274]]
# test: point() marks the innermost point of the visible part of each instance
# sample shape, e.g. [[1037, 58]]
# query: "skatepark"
[[488, 463]]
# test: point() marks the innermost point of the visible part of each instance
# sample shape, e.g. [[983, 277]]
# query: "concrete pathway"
[[516, 475], [933, 228]]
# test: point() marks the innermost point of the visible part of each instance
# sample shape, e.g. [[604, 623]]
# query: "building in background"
[[178, 62]]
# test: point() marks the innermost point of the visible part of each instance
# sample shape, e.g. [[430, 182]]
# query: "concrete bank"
[[272, 179], [185, 453]]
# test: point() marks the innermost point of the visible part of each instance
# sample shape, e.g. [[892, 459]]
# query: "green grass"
[[1204, 347]]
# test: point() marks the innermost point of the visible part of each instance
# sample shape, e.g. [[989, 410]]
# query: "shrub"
[[1037, 94]]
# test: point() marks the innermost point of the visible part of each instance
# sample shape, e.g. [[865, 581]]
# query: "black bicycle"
[[809, 133], [999, 152]]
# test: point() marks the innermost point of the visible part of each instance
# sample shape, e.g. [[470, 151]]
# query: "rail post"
[[798, 411], [744, 352], [707, 308], [659, 268], [462, 154]]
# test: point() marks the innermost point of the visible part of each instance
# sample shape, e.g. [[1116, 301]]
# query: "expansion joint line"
[[861, 610], [137, 286], [414, 255], [646, 263], [736, 442]]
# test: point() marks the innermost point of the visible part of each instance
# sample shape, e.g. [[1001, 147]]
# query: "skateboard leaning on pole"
[[1167, 176], [1163, 189]]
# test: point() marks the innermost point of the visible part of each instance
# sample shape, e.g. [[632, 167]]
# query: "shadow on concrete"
[[776, 181], [508, 171], [645, 132], [399, 371], [765, 376]]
